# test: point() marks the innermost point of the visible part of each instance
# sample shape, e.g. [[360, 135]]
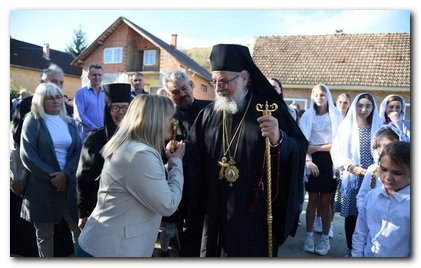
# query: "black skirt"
[[324, 183]]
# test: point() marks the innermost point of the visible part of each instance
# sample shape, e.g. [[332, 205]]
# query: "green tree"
[[200, 55], [14, 91], [78, 44]]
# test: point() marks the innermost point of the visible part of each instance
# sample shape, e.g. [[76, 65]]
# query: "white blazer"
[[133, 196]]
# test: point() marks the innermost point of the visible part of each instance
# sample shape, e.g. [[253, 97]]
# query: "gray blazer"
[[133, 196], [41, 201]]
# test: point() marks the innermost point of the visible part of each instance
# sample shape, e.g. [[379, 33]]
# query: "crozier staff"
[[225, 152]]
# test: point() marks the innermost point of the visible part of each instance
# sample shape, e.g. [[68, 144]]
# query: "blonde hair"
[[43, 90], [144, 122]]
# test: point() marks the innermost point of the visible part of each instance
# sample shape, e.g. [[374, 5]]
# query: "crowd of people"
[[122, 168]]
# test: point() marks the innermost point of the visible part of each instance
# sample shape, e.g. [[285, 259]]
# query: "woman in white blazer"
[[136, 189]]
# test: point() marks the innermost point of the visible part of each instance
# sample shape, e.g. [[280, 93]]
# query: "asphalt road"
[[293, 246]]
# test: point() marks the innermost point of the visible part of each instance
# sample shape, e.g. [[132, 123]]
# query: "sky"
[[202, 28]]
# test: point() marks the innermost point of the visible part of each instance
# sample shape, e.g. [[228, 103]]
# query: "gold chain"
[[225, 130], [228, 169]]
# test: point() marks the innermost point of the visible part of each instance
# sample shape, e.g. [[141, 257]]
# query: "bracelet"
[[308, 160]]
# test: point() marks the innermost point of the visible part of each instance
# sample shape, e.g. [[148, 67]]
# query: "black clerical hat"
[[236, 58], [117, 92], [233, 58]]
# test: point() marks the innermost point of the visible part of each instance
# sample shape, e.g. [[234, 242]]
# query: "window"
[[204, 88], [113, 55], [149, 57], [407, 111], [153, 89]]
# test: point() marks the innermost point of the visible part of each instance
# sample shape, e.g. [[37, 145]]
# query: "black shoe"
[[164, 254]]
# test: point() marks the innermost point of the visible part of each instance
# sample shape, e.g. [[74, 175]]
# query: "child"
[[383, 136], [383, 224]]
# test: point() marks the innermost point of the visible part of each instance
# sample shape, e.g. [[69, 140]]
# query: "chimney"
[[174, 41], [46, 51]]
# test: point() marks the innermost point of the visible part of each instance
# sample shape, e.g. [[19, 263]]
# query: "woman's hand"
[[58, 180], [393, 116], [180, 148], [357, 170], [82, 222], [314, 170]]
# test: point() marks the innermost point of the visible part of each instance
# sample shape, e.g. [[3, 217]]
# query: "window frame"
[[146, 58], [114, 54]]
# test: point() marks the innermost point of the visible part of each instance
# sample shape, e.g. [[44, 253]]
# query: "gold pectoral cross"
[[223, 165]]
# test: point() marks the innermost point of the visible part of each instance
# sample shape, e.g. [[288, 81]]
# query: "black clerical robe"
[[189, 224], [230, 227]]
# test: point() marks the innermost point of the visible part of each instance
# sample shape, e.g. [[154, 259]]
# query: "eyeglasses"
[[368, 106], [51, 98], [222, 84], [116, 109]]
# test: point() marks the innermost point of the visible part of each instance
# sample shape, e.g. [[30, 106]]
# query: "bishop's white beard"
[[235, 104]]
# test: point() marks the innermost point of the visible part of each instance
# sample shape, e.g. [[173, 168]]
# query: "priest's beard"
[[235, 104]]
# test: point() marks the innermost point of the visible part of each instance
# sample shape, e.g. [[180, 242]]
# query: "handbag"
[[18, 173]]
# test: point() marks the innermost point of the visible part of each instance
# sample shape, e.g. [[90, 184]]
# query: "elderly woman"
[[50, 150]]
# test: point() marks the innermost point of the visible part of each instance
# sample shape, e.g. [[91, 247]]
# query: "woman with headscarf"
[[319, 124], [392, 111], [351, 154]]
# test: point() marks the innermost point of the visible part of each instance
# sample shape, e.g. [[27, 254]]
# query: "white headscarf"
[[308, 118], [345, 149], [382, 108], [402, 137]]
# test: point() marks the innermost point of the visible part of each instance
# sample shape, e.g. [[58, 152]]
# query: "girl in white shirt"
[[384, 221], [383, 136]]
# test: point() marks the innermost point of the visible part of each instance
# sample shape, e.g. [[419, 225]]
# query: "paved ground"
[[293, 246]]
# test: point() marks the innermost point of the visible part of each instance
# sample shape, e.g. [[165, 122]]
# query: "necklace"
[[229, 170]]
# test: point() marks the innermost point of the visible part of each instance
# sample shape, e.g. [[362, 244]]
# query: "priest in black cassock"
[[225, 161], [180, 90]]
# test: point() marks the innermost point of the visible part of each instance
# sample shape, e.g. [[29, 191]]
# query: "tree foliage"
[[78, 44], [199, 55], [14, 91]]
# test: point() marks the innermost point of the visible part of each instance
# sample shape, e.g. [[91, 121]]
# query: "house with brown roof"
[[352, 63], [28, 60], [125, 48]]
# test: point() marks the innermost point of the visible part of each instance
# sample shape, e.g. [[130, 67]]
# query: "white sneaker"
[[309, 244], [331, 230], [318, 225], [323, 246]]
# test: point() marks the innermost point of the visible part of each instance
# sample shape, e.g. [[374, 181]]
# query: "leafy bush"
[[14, 91]]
